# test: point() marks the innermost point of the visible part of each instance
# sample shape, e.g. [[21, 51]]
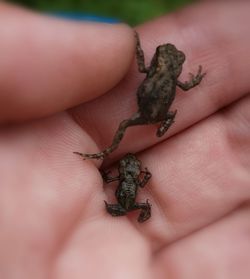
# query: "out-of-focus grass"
[[130, 11]]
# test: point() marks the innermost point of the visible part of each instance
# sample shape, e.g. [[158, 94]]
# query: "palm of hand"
[[53, 220], [56, 216]]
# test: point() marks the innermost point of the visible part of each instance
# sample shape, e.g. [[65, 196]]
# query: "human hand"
[[53, 219]]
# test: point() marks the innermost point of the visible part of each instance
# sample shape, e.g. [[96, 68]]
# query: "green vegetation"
[[131, 11]]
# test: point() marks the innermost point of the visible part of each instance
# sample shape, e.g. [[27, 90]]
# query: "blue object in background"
[[85, 17]]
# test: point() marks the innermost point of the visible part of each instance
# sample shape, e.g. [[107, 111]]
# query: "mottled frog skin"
[[130, 179], [156, 93]]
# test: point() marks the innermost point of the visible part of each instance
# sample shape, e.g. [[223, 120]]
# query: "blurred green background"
[[130, 11]]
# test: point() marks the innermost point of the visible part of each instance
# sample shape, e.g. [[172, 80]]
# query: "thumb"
[[48, 65]]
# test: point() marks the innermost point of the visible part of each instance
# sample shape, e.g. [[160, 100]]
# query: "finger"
[[116, 248], [44, 192], [48, 65], [222, 248], [220, 46], [198, 176], [52, 202]]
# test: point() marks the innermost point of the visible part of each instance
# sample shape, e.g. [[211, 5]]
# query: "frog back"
[[155, 95]]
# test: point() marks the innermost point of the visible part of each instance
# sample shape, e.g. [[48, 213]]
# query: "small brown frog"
[[155, 94], [129, 180]]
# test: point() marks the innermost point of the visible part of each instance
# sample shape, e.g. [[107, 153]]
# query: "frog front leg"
[[145, 211], [165, 124], [107, 178], [115, 209], [194, 80], [147, 176]]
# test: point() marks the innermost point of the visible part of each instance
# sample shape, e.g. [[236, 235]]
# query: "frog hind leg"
[[136, 119], [165, 124], [115, 209], [145, 211]]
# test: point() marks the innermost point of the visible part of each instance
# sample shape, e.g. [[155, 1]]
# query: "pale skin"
[[52, 215]]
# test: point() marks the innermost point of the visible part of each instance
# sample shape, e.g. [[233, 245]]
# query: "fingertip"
[[49, 64]]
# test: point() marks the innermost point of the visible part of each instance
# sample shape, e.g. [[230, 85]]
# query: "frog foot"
[[145, 212]]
